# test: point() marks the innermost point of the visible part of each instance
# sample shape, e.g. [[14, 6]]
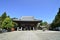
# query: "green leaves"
[[0, 22], [44, 23], [7, 23], [56, 21], [4, 15]]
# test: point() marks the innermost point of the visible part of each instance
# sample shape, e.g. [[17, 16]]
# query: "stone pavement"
[[30, 35]]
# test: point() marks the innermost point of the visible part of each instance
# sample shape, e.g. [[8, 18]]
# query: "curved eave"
[[29, 20]]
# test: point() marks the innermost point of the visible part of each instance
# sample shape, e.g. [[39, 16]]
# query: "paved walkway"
[[30, 35]]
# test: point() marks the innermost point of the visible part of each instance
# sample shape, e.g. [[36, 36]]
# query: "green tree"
[[56, 21], [15, 24], [7, 23], [4, 15], [0, 22], [43, 23]]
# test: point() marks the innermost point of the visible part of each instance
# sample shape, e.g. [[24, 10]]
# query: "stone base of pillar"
[[33, 28], [17, 28], [21, 28]]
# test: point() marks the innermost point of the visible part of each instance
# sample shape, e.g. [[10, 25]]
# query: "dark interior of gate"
[[27, 25]]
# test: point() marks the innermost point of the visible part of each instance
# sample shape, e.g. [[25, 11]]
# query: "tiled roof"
[[26, 18]]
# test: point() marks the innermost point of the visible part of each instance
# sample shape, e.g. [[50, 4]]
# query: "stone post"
[[30, 28], [17, 28], [21, 28], [33, 28]]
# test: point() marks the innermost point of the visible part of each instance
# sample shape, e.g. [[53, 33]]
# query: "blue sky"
[[41, 9]]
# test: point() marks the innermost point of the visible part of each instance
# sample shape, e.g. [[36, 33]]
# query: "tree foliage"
[[0, 22], [7, 23], [4, 15], [43, 23], [56, 21], [2, 18]]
